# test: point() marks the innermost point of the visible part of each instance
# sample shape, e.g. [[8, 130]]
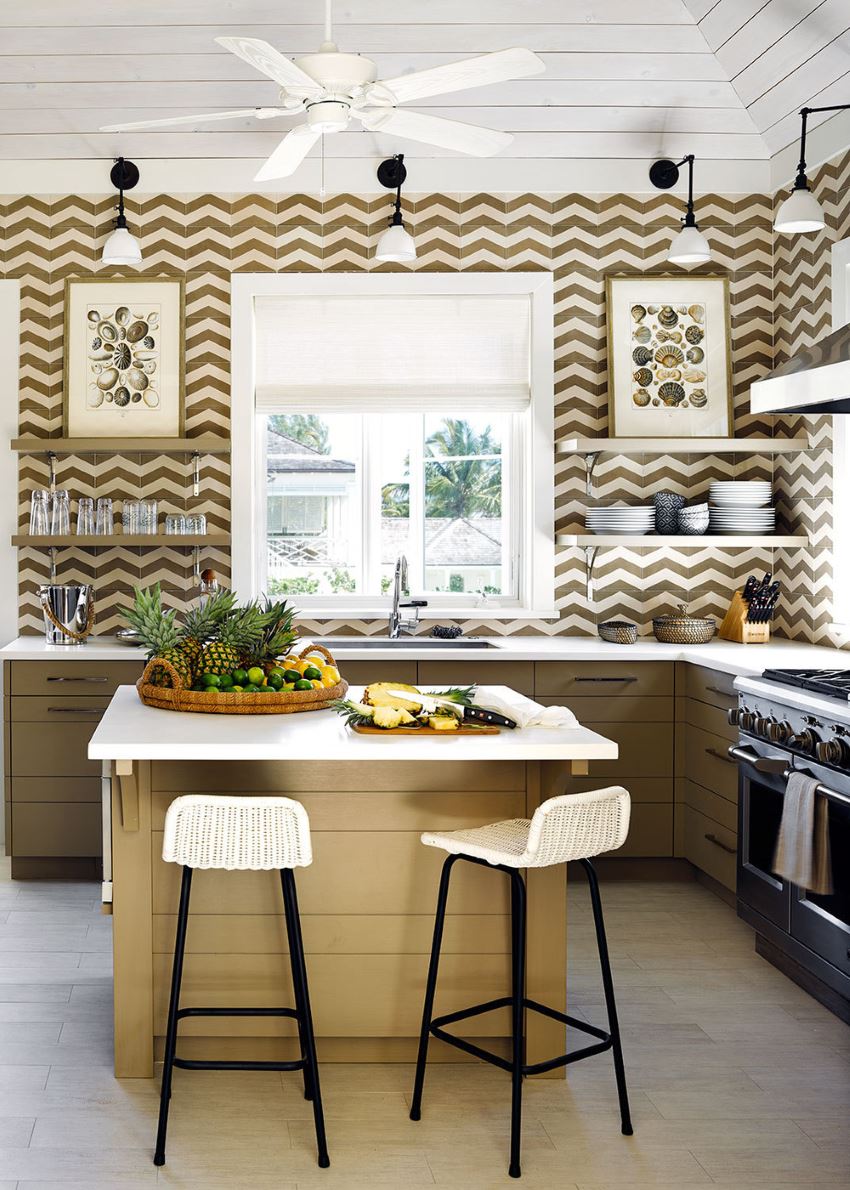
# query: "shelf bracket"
[[196, 473], [51, 463], [52, 553], [590, 552], [590, 461], [196, 563]]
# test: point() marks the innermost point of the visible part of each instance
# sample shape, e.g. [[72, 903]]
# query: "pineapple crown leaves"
[[243, 627], [200, 622], [157, 629], [352, 712], [278, 634], [462, 695]]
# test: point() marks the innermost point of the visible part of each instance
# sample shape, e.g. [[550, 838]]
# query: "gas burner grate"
[[833, 683]]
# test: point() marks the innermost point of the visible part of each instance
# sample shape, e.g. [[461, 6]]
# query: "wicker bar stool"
[[241, 834], [569, 827]]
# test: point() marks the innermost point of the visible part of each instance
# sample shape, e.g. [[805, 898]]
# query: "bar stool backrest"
[[237, 833], [578, 826]]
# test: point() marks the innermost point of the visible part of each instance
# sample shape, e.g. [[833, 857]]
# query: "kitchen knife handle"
[[480, 715]]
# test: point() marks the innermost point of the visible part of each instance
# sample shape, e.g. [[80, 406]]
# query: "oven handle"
[[768, 764]]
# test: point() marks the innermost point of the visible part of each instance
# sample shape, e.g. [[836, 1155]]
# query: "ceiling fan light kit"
[[396, 245], [689, 246], [121, 247], [334, 88]]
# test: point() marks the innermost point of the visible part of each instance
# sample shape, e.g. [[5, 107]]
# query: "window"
[[841, 452], [387, 415]]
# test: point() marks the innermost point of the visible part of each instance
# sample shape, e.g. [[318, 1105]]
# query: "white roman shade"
[[386, 353]]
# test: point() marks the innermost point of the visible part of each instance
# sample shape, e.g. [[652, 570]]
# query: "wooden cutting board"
[[464, 729]]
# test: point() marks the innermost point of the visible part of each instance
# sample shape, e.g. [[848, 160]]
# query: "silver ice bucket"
[[68, 612]]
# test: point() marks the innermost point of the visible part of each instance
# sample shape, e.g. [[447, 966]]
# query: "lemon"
[[256, 676], [316, 683], [330, 675]]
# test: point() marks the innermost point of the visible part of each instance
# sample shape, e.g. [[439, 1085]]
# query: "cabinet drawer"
[[708, 718], [710, 685], [60, 752], [650, 833], [603, 679], [80, 676], [707, 763], [55, 789], [645, 749], [47, 828], [621, 708], [361, 673], [519, 675], [717, 808], [58, 709], [710, 847]]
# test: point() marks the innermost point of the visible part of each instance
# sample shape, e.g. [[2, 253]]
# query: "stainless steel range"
[[795, 719]]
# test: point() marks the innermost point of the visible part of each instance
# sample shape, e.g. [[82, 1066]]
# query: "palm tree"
[[455, 484]]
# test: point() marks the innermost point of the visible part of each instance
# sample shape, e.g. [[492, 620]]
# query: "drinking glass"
[[148, 516], [197, 523], [131, 516], [175, 523], [104, 523], [85, 516], [60, 512], [39, 524]]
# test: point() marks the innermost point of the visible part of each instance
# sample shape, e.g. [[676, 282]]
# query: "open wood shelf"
[[149, 540], [690, 446], [721, 541], [203, 444]]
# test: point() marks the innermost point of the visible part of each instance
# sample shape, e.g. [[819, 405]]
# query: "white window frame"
[[532, 469], [841, 454]]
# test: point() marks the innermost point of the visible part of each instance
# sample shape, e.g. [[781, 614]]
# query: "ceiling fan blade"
[[261, 113], [289, 153], [460, 76], [269, 61], [434, 130]]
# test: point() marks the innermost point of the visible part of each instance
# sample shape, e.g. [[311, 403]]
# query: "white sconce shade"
[[121, 248], [689, 247], [396, 244], [800, 211]]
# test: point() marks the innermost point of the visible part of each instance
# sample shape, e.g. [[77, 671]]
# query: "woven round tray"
[[279, 702]]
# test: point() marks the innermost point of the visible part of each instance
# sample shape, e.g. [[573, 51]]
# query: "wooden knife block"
[[735, 626]]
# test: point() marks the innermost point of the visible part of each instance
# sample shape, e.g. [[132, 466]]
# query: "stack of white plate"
[[619, 518], [742, 507], [749, 493]]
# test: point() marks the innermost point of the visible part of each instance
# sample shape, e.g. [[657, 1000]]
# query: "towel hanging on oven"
[[802, 849]]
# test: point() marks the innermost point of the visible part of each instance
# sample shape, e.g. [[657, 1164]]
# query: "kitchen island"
[[367, 901]]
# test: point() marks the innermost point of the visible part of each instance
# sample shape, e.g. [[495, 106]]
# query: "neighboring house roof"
[[448, 541], [285, 455]]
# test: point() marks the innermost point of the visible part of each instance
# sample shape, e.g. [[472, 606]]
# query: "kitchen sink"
[[341, 644]]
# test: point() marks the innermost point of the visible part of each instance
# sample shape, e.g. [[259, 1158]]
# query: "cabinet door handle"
[[723, 846], [623, 679], [75, 710], [721, 756], [717, 690], [99, 681]]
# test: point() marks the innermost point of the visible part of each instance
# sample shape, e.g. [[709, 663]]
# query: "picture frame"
[[124, 357], [669, 356]]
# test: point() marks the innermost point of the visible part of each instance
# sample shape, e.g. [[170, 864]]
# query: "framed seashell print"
[[124, 357], [669, 358]]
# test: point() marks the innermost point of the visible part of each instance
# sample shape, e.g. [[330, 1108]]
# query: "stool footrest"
[[290, 1012], [204, 1064], [437, 1030]]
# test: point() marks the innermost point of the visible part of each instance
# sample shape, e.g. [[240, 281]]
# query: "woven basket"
[[280, 702]]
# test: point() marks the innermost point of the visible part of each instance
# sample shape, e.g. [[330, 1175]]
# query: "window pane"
[[463, 480], [393, 438], [313, 476]]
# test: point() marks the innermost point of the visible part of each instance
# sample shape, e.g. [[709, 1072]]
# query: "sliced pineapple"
[[386, 716], [443, 722], [376, 695]]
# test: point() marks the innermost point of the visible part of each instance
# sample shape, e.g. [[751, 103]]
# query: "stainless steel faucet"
[[399, 624]]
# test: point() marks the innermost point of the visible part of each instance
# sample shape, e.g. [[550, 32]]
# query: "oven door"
[[822, 923], [761, 791]]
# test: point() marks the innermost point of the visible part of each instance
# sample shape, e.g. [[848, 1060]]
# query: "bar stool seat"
[[241, 834], [569, 827]]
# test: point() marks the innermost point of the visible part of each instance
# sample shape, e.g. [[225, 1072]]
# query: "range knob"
[[746, 719], [779, 731], [835, 751], [806, 740], [733, 717], [761, 726]]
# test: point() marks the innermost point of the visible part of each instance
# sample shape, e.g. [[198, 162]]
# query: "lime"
[[303, 684], [225, 681], [240, 677], [275, 679], [211, 679], [250, 689], [312, 674], [256, 675], [292, 675]]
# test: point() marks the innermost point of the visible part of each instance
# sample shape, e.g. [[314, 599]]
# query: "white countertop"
[[129, 730], [744, 660]]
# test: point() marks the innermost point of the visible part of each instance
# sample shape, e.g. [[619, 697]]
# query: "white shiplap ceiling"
[[626, 81]]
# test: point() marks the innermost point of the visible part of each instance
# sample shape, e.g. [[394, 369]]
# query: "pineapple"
[[200, 623], [159, 634], [277, 636], [236, 636]]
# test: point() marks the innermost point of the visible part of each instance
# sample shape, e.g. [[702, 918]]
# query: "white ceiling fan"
[[334, 88]]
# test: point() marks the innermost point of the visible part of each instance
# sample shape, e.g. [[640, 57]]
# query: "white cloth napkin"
[[524, 711]]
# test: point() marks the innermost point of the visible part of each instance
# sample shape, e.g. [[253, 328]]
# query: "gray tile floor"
[[738, 1078]]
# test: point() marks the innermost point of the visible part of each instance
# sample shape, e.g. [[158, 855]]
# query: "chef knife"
[[430, 702]]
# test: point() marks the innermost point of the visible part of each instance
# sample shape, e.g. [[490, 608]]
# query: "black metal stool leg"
[[173, 1005], [610, 1003], [308, 1085], [517, 1016], [302, 1003], [430, 988]]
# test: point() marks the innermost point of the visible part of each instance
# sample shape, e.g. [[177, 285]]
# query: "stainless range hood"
[[815, 380]]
